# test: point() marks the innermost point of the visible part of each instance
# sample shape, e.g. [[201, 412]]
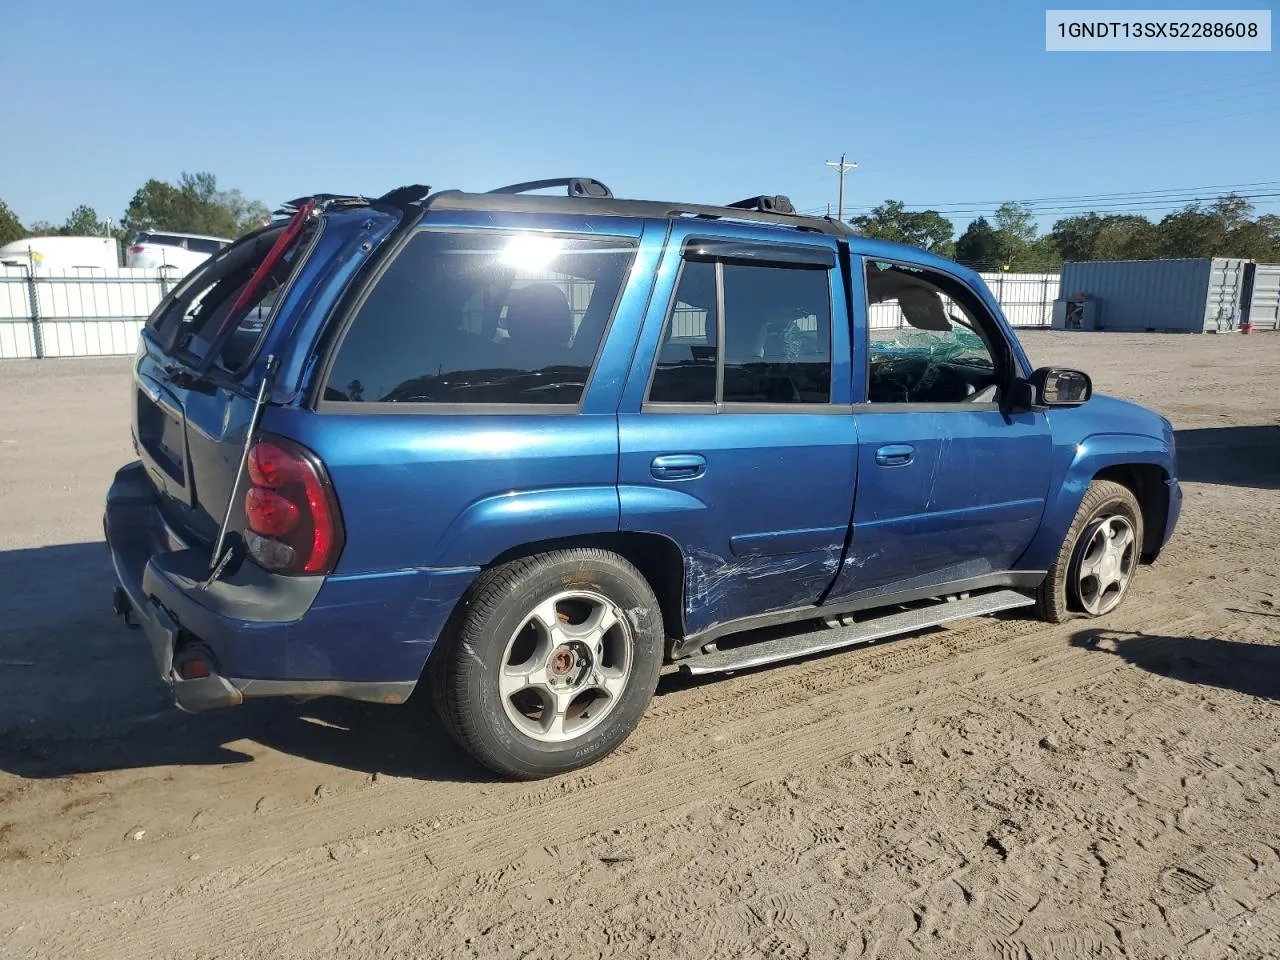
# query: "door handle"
[[895, 455], [678, 466]]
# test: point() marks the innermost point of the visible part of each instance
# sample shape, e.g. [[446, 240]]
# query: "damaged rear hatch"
[[202, 355]]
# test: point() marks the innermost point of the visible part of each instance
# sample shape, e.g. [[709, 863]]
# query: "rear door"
[[951, 487], [735, 436]]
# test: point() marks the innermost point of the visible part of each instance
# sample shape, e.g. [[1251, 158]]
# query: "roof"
[[613, 207]]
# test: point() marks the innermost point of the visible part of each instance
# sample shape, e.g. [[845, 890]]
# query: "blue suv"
[[522, 450]]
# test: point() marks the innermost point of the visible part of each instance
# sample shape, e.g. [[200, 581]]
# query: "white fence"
[[77, 312], [1026, 299], [89, 312]]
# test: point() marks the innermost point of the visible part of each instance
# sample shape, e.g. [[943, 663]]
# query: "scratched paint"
[[713, 582]]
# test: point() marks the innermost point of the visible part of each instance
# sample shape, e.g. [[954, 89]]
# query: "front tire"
[[551, 663], [1094, 569]]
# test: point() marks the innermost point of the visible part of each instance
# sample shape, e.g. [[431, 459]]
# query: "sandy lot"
[[995, 790]]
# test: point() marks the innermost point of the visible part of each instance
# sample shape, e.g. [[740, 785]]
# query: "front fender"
[[1074, 466]]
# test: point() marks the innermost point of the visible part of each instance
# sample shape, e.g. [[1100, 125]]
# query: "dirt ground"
[[998, 789]]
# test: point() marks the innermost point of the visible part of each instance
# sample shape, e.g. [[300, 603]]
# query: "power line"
[[1173, 193], [1104, 112]]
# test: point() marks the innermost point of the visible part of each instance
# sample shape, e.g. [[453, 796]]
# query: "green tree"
[[193, 205], [42, 228], [1075, 236], [1126, 237], [1225, 228], [1192, 232], [919, 228], [1262, 236], [11, 227], [1041, 255], [979, 246], [83, 222], [1016, 233]]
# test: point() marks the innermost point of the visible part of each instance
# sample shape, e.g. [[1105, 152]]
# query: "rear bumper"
[[360, 637]]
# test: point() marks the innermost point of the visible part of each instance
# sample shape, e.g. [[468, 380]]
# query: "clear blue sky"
[[940, 102]]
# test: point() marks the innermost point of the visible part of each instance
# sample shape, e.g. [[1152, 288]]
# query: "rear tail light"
[[194, 669], [135, 249], [291, 513]]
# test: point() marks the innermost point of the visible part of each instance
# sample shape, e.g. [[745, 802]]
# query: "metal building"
[[1174, 296]]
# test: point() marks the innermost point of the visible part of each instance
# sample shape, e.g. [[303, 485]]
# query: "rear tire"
[[550, 662], [1099, 556]]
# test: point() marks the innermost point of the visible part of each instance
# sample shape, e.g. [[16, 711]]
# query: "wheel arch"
[[1140, 463], [1149, 483], [658, 558]]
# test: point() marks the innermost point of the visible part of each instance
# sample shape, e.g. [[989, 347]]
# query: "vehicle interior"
[[925, 345]]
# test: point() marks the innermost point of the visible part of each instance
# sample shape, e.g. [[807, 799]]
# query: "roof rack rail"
[[577, 187], [655, 209], [765, 204]]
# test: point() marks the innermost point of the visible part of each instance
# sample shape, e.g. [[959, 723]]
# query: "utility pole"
[[842, 167]]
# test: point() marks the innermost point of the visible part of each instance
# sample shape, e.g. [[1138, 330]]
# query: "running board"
[[821, 641]]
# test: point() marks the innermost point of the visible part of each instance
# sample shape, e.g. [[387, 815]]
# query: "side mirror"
[[1060, 387]]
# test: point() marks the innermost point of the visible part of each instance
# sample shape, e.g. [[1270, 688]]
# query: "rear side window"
[[775, 346], [471, 318]]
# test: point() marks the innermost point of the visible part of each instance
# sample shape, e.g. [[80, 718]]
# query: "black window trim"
[[814, 261], [759, 253], [1009, 359], [384, 407]]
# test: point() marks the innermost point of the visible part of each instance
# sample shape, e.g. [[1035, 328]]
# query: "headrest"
[[540, 313], [923, 309]]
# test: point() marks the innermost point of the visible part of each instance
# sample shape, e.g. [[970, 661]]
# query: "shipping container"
[[1263, 307], [1173, 296]]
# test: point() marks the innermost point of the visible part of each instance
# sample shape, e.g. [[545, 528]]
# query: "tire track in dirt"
[[781, 710], [499, 838]]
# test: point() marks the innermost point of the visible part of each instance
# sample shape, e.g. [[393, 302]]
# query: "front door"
[[735, 435], [951, 488]]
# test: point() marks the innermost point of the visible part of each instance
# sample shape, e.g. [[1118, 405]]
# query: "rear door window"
[[199, 245], [481, 318], [772, 345]]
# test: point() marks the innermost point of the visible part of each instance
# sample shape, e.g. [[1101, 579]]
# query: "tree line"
[[195, 204], [1010, 240]]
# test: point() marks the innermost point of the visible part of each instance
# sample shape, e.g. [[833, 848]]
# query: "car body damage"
[[538, 444]]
